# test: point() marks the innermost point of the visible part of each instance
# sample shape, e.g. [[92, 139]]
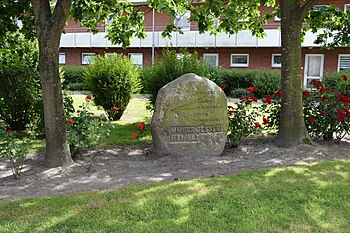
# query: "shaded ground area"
[[118, 166]]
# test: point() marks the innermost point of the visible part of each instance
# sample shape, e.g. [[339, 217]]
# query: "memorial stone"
[[190, 118]]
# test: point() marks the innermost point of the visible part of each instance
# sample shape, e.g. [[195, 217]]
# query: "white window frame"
[[272, 61], [347, 7], [345, 55], [216, 55], [62, 58], [180, 17], [306, 69], [237, 64], [132, 54], [85, 62]]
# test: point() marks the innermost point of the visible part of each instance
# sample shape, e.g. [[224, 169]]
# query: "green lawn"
[[304, 198]]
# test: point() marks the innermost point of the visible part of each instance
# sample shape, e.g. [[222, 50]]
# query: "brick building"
[[241, 50]]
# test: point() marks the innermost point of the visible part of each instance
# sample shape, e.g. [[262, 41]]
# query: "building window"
[[321, 8], [136, 58], [346, 7], [211, 58], [182, 22], [111, 55], [344, 62], [239, 60], [62, 58], [87, 58], [276, 60]]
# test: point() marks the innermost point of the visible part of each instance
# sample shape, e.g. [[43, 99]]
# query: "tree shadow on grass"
[[311, 197]]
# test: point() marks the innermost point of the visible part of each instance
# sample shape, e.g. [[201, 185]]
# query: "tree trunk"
[[292, 130], [49, 26], [57, 149]]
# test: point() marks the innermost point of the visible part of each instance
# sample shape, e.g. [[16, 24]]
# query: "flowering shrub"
[[84, 130], [243, 120], [327, 111], [13, 149]]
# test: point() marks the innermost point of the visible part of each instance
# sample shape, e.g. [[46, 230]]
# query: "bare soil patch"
[[117, 166]]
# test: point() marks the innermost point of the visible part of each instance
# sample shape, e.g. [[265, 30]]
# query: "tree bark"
[[49, 26], [292, 129]]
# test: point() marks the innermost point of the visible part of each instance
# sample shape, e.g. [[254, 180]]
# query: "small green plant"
[[110, 80], [14, 150], [84, 130]]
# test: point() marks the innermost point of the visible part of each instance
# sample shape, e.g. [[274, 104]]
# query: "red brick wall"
[[259, 58]]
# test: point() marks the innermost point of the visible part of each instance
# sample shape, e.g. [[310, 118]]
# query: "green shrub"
[[238, 93], [73, 78], [109, 79], [20, 90], [170, 67], [266, 82], [84, 130], [334, 81]]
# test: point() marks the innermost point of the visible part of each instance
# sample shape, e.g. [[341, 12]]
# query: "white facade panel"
[[83, 39], [225, 40], [272, 39], [246, 39], [188, 39], [205, 40]]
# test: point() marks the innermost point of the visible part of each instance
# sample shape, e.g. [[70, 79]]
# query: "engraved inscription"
[[193, 134]]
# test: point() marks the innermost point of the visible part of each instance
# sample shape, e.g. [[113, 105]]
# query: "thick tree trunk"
[[49, 26], [292, 130], [57, 150]]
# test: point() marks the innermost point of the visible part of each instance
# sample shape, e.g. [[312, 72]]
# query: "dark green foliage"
[[74, 78], [20, 90], [169, 68], [336, 83], [265, 81], [110, 80], [238, 93]]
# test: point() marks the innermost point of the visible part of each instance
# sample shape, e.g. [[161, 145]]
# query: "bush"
[[327, 110], [84, 130], [170, 67], [333, 81], [20, 90], [109, 79], [73, 78], [266, 82], [14, 150]]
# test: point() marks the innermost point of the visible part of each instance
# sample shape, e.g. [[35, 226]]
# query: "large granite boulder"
[[190, 118]]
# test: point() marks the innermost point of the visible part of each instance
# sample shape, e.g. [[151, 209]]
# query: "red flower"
[[88, 97], [324, 97], [223, 86], [344, 77], [266, 122], [251, 89], [267, 99], [278, 93], [311, 119], [115, 108], [341, 115], [257, 124], [134, 135], [140, 126], [70, 122], [324, 113], [9, 130], [231, 112], [306, 93], [230, 107]]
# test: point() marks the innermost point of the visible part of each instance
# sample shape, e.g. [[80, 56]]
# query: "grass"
[[305, 198]]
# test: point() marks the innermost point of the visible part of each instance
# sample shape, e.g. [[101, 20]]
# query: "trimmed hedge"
[[74, 78], [265, 81], [335, 82]]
